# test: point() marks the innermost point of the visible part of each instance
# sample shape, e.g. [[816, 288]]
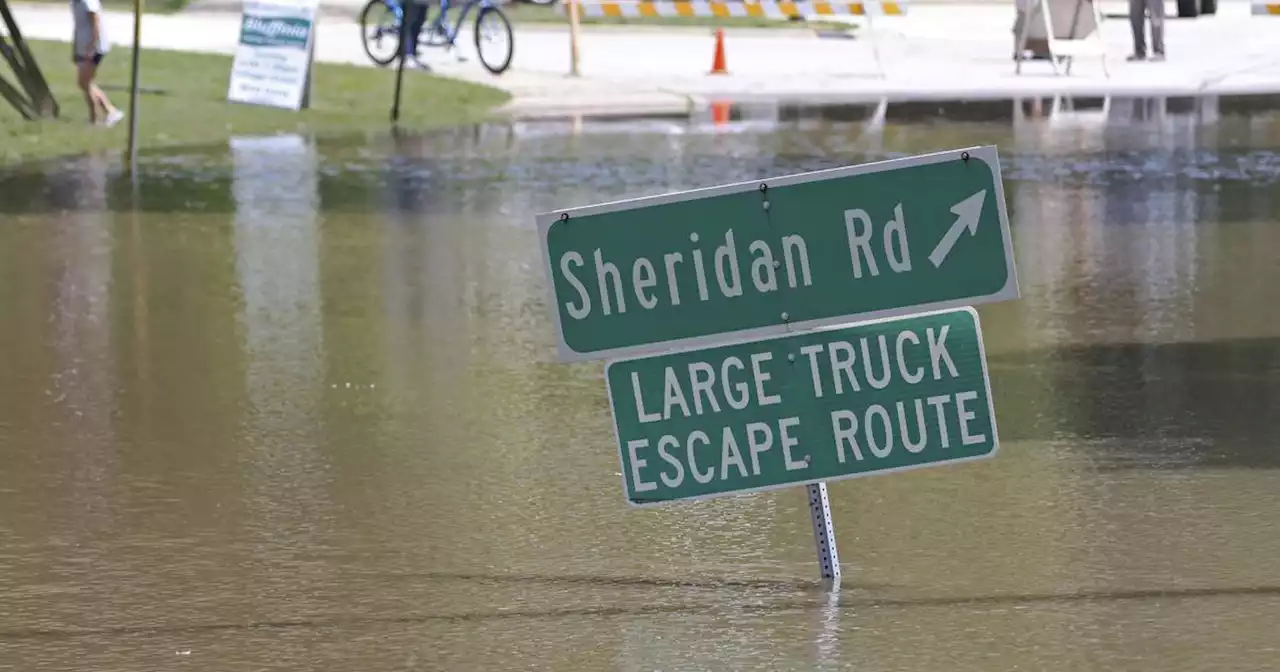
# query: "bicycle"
[[389, 15]]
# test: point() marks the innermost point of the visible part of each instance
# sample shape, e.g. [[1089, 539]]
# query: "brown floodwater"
[[294, 405]]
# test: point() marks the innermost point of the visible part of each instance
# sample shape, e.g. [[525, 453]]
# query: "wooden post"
[[134, 84], [17, 100], [573, 38], [39, 100]]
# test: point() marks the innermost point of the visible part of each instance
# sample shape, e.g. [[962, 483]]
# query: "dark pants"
[[1138, 9], [415, 18], [95, 59]]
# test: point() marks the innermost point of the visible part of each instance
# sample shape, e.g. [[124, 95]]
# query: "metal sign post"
[[404, 47], [824, 535]]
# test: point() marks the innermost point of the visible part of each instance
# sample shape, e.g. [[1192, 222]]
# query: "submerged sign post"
[[273, 60], [789, 331]]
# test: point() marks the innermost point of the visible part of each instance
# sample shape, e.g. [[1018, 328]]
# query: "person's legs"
[[112, 114], [1018, 22], [1156, 9], [1137, 20], [94, 96], [85, 70], [415, 17]]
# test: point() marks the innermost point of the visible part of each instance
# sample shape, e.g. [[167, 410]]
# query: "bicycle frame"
[[468, 5], [439, 23]]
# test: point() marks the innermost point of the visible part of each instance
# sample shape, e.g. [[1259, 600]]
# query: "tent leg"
[[1022, 43], [875, 43], [1102, 43], [1048, 32]]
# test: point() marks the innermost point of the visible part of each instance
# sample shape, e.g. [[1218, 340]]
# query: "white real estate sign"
[[272, 64]]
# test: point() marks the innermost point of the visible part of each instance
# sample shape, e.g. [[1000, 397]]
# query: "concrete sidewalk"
[[937, 51]]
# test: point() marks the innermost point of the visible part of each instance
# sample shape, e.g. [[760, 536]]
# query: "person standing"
[[416, 18], [89, 46], [1139, 10]]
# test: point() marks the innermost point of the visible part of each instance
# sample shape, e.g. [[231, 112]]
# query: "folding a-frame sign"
[[1070, 27]]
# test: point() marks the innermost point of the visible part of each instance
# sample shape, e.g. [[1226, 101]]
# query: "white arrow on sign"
[[967, 213]]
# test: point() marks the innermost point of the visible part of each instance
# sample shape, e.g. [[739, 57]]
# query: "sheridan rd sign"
[[768, 257], [824, 405]]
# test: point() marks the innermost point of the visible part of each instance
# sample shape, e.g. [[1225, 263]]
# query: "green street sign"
[[823, 405], [778, 255]]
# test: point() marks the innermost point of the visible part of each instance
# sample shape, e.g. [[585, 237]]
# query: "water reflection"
[[83, 382], [311, 397], [276, 242]]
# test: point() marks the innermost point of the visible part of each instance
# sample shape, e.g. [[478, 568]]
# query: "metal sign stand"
[[871, 9], [311, 65], [824, 535], [1078, 37], [403, 47], [134, 68]]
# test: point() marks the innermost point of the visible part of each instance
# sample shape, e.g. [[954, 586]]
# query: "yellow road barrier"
[[720, 9]]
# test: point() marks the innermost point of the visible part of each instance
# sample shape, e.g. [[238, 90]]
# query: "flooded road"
[[300, 410]]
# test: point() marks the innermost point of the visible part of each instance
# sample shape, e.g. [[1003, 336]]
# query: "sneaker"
[[1136, 57], [1159, 58], [114, 117]]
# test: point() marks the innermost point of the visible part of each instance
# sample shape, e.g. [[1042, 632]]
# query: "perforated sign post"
[[779, 255], [790, 331]]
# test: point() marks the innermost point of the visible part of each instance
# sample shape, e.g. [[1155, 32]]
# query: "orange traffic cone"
[[717, 63], [720, 113]]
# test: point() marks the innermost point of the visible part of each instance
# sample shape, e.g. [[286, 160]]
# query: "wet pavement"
[[300, 409]]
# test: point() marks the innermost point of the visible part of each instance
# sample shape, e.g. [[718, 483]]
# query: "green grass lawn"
[[526, 13], [184, 103]]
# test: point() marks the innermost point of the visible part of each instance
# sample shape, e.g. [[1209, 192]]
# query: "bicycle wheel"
[[492, 27], [380, 32]]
